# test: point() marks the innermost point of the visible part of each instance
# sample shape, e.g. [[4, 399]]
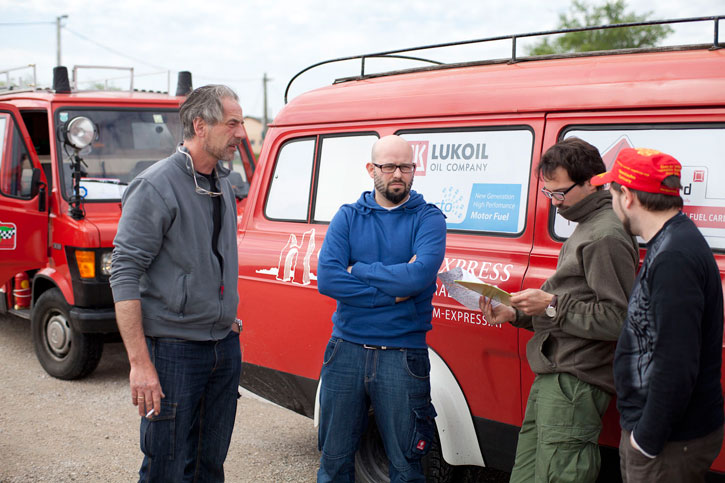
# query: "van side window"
[[15, 167], [289, 191], [478, 177], [699, 148], [343, 176]]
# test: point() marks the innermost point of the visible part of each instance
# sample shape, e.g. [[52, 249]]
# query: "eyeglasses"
[[390, 168], [557, 195], [197, 188]]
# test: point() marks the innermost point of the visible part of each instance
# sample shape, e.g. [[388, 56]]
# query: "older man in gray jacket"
[[174, 276]]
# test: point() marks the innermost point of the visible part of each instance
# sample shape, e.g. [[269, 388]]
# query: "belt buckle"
[[374, 347]]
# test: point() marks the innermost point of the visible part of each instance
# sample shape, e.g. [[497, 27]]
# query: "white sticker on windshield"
[[158, 119]]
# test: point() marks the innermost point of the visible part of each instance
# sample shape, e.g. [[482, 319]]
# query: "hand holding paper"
[[456, 282], [496, 313], [487, 290]]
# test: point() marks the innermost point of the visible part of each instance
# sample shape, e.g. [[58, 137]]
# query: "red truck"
[[478, 130], [66, 157]]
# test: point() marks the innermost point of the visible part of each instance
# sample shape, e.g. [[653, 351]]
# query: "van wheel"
[[435, 467], [371, 462], [63, 352]]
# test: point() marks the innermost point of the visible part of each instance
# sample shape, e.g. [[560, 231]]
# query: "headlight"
[[106, 263], [80, 132]]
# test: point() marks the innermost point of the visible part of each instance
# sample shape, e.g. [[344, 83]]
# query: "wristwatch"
[[551, 308], [239, 324]]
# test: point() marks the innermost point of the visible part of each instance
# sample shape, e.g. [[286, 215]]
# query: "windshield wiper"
[[103, 180]]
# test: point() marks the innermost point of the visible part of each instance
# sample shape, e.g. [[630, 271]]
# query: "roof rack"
[[76, 68], [10, 87], [395, 54]]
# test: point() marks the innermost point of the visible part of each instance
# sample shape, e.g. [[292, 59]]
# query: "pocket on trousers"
[[158, 434], [417, 363], [330, 350], [568, 386], [424, 430]]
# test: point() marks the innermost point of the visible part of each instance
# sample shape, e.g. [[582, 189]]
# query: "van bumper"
[[93, 321]]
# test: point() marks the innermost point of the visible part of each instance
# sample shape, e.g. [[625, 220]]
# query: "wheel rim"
[[58, 335]]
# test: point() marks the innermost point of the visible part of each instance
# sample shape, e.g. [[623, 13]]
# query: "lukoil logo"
[[420, 156]]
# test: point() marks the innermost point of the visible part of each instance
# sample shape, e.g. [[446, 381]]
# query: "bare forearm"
[[130, 325], [146, 392]]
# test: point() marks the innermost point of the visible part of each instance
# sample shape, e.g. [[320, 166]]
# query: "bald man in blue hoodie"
[[379, 261]]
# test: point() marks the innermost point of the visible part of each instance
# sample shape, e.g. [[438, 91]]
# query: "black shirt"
[[216, 218], [669, 355]]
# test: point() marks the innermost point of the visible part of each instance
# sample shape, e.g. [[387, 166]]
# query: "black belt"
[[382, 347]]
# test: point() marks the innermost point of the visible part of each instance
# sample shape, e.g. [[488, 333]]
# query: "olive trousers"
[[558, 441]]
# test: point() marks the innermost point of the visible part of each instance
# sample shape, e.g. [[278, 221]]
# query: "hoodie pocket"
[[181, 294]]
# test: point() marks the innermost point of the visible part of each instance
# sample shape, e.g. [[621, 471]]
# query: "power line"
[[25, 23], [113, 50], [221, 79]]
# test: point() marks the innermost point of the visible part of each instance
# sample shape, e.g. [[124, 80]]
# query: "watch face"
[[551, 311]]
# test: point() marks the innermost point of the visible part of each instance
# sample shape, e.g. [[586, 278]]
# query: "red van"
[[478, 131], [66, 157]]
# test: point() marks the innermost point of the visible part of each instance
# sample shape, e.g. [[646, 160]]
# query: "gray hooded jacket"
[[163, 254]]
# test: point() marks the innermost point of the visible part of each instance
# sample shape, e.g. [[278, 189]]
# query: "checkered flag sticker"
[[8, 236]]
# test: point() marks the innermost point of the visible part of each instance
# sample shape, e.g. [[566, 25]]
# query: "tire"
[[371, 463], [63, 352], [435, 467]]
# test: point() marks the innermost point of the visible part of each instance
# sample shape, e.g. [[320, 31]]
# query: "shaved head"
[[393, 146]]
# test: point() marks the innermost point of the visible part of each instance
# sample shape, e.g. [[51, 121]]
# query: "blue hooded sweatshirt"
[[378, 244]]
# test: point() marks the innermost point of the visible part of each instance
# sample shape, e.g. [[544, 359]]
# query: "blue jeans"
[[189, 439], [396, 383]]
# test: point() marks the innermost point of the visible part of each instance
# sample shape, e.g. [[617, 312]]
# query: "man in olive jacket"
[[576, 316]]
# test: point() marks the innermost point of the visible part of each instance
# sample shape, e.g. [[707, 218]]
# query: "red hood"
[[105, 217]]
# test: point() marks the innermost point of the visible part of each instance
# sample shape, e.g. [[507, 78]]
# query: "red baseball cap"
[[642, 169]]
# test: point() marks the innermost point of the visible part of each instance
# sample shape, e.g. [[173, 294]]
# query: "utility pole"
[[57, 33], [265, 119]]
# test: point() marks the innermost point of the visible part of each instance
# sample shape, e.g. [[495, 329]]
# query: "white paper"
[[467, 298]]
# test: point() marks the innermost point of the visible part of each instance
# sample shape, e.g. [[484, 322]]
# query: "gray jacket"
[[163, 254]]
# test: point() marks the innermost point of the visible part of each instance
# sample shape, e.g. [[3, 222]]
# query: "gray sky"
[[235, 43]]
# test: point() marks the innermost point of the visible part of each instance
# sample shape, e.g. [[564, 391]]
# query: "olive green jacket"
[[594, 276]]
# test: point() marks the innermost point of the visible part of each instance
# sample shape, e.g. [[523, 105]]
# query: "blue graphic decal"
[[492, 207]]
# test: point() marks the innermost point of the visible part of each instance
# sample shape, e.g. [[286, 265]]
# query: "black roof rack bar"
[[362, 69], [513, 38]]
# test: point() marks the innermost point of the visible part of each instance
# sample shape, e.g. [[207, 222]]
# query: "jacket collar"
[[582, 210], [181, 158]]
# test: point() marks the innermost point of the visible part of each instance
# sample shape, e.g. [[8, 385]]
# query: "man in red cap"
[[668, 360]]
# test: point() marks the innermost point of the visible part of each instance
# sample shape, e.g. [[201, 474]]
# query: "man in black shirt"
[[669, 355]]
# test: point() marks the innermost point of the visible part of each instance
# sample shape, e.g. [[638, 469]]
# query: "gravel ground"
[[87, 430]]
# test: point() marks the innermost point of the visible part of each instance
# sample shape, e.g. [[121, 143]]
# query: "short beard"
[[220, 154], [392, 196]]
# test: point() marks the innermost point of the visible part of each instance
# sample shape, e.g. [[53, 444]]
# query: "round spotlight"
[[80, 132]]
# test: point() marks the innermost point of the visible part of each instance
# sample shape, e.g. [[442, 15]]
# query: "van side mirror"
[[241, 187], [35, 183]]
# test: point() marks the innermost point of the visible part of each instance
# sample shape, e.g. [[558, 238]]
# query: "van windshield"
[[128, 141]]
